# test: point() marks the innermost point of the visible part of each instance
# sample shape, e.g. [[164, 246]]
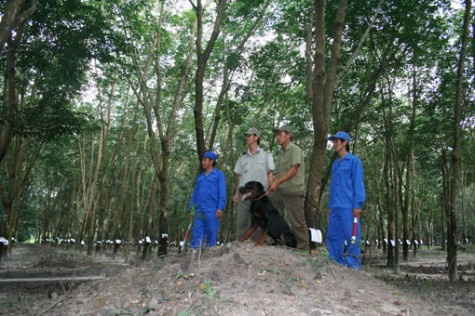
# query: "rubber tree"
[[150, 80], [44, 68], [12, 25], [203, 56], [454, 159], [323, 87]]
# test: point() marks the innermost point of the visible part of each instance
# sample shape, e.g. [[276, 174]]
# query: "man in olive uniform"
[[288, 188]]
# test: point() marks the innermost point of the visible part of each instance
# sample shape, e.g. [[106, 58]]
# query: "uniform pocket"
[[245, 167], [261, 161], [345, 170], [284, 165]]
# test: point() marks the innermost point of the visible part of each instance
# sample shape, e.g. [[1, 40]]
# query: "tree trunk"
[[11, 103], [390, 211], [463, 182], [13, 17], [107, 197], [15, 14], [380, 219], [473, 48], [86, 185], [10, 96], [408, 190], [132, 202], [150, 210], [164, 202], [396, 192], [323, 87], [14, 185], [152, 108], [202, 60], [308, 58], [415, 235], [93, 195], [454, 161], [389, 181]]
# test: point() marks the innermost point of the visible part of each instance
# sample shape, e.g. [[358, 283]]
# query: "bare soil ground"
[[235, 279]]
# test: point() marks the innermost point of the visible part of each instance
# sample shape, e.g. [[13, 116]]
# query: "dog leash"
[[262, 195]]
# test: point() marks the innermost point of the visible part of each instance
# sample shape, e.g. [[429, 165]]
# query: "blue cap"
[[211, 155], [340, 135]]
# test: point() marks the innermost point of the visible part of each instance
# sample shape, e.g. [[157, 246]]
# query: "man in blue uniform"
[[347, 196], [208, 200]]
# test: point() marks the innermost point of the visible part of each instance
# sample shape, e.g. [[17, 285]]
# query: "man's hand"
[[286, 177], [219, 214], [236, 198], [273, 187], [357, 212]]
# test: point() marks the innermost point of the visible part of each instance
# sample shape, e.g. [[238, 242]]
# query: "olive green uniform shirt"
[[292, 155]]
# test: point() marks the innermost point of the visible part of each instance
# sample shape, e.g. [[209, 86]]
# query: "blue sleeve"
[[331, 195], [358, 184], [221, 191]]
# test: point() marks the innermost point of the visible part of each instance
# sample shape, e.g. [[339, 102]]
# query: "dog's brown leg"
[[282, 239], [261, 241], [248, 234]]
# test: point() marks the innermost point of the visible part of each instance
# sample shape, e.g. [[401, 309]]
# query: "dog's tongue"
[[245, 196]]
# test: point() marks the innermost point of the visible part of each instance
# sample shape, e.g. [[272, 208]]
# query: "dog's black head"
[[252, 190]]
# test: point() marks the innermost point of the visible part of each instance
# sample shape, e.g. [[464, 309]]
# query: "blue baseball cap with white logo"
[[340, 135]]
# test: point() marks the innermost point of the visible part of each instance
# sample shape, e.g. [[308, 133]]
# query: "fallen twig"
[[331, 271], [86, 278], [57, 302]]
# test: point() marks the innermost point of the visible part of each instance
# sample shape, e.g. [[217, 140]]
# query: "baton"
[[355, 224], [183, 243]]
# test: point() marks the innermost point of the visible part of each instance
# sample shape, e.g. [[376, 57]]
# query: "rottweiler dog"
[[266, 216]]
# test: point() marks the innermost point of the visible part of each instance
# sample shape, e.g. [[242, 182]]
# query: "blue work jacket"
[[210, 192], [347, 185]]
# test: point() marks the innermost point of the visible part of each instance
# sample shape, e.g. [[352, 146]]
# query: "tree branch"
[[343, 73], [29, 12]]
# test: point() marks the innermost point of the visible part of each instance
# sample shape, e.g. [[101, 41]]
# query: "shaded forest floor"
[[235, 279]]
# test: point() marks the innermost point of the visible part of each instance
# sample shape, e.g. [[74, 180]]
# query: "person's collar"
[[257, 150], [285, 148], [345, 156], [211, 171]]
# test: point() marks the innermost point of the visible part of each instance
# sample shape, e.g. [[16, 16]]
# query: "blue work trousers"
[[340, 229], [206, 227]]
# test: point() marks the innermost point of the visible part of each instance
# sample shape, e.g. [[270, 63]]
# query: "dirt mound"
[[241, 279], [62, 261], [234, 279]]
